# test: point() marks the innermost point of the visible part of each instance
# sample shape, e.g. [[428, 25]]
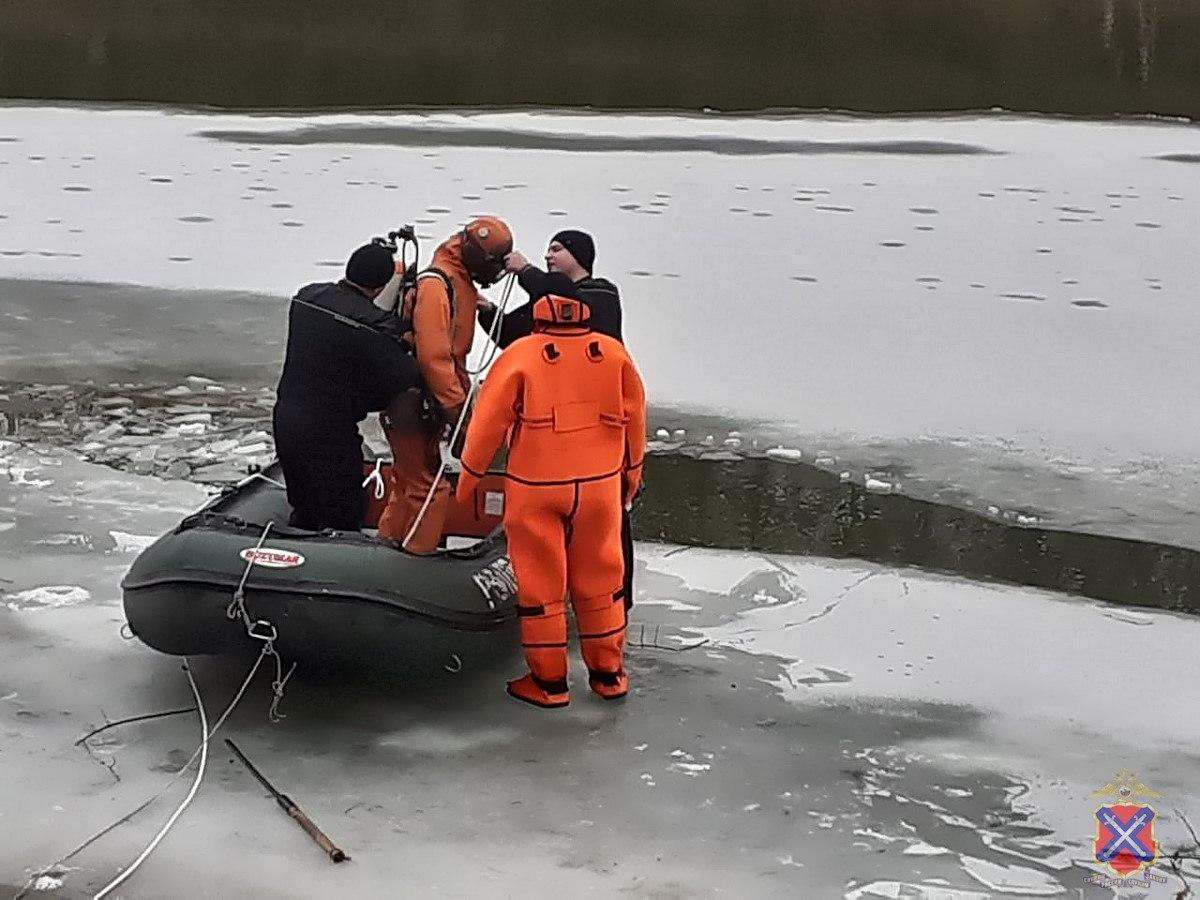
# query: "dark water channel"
[[744, 502], [766, 505], [1087, 57]]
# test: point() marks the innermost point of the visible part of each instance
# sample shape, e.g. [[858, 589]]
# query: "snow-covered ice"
[[910, 318], [965, 771]]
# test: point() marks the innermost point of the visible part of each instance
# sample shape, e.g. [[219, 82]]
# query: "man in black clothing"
[[572, 253], [344, 358]]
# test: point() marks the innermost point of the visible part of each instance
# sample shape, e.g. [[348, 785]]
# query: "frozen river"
[[845, 730], [987, 312], [994, 309]]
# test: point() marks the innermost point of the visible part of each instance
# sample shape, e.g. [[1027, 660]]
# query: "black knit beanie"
[[580, 245], [371, 266]]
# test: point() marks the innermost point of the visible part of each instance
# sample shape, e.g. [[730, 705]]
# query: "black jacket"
[[345, 357], [599, 294]]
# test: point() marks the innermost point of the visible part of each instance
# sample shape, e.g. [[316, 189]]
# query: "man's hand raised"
[[515, 262]]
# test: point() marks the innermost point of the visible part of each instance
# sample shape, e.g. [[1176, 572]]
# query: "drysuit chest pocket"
[[576, 416]]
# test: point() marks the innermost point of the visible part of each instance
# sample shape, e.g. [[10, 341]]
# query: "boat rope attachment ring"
[[261, 630]]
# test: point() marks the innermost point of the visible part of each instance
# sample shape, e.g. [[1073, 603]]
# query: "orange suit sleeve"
[[494, 415], [634, 400], [432, 334]]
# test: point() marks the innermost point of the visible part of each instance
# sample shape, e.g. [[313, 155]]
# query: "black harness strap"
[[431, 272]]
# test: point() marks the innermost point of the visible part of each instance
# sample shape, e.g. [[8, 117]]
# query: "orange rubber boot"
[[546, 694], [601, 622]]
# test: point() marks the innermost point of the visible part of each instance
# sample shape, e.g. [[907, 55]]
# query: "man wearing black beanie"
[[573, 253], [344, 358]]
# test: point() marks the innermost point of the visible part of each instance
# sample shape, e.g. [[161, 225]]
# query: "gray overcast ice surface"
[[845, 729], [1025, 284], [837, 729]]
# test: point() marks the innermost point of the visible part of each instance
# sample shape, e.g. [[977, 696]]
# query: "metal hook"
[[265, 633]]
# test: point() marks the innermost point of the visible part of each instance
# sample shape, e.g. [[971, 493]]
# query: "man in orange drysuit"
[[441, 312], [574, 403]]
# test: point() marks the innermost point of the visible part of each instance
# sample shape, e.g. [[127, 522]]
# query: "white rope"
[[492, 347], [377, 477], [261, 630], [261, 477], [133, 867], [486, 357], [146, 803]]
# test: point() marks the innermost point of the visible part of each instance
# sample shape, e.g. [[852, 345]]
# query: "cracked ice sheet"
[[1011, 879], [1028, 660], [897, 890], [581, 802], [710, 571], [1022, 655], [723, 571]]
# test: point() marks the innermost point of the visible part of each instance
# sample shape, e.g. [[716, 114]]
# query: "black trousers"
[[322, 468], [627, 552]]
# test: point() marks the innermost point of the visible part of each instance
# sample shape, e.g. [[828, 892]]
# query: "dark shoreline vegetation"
[[1075, 57]]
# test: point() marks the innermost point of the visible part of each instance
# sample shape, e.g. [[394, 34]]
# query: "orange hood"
[[553, 312]]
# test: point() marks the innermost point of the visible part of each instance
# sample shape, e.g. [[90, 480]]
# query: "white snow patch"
[[50, 596], [919, 637], [900, 890], [131, 543], [785, 454], [711, 571], [956, 821], [428, 741], [1128, 616], [1011, 879], [20, 477], [920, 848], [875, 835], [670, 603], [47, 883]]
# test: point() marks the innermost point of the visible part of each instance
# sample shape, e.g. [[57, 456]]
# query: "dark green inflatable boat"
[[328, 597]]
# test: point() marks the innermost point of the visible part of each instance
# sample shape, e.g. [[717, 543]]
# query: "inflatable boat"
[[325, 597]]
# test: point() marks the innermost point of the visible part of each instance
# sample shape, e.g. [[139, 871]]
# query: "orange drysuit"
[[442, 311], [576, 409]]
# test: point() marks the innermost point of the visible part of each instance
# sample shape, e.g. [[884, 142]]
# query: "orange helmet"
[[485, 243]]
